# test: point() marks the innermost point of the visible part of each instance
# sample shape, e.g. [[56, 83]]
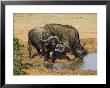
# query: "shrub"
[[17, 57]]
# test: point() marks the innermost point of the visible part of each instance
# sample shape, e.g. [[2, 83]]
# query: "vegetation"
[[17, 55]]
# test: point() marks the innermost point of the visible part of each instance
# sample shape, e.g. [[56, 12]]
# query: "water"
[[89, 62]]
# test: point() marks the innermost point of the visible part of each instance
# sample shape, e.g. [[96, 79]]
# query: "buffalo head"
[[49, 46], [80, 52]]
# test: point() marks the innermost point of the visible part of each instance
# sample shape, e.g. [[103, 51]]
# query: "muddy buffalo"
[[43, 41], [69, 35]]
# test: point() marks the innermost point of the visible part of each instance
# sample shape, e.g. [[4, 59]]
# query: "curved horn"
[[46, 39], [42, 39], [57, 39], [50, 38]]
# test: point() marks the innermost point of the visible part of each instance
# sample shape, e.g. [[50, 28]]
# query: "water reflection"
[[89, 62]]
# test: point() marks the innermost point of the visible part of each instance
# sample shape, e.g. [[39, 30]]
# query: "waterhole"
[[89, 62]]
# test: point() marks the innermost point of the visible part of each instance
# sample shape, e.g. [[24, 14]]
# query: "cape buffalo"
[[69, 35], [43, 41]]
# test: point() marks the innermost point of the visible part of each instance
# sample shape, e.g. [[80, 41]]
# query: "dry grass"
[[90, 44]]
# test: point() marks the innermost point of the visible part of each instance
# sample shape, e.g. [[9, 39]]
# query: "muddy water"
[[89, 62]]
